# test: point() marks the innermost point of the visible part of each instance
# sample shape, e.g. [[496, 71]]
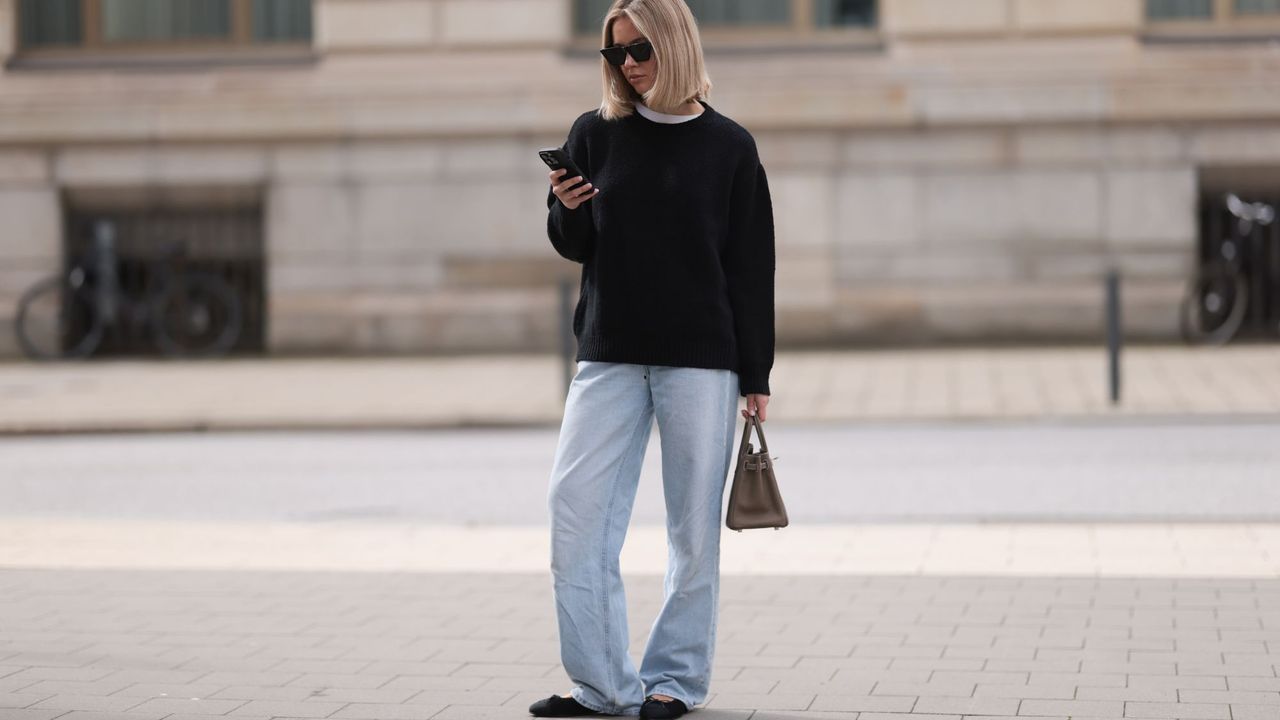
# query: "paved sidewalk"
[[505, 390], [154, 621], [1156, 550]]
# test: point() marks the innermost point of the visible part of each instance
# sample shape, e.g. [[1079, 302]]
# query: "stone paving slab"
[[952, 384], [1159, 550], [177, 644]]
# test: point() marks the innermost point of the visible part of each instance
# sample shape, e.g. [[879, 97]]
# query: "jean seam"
[[728, 439], [604, 559]]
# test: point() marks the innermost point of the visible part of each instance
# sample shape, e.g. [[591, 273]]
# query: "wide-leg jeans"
[[609, 411]]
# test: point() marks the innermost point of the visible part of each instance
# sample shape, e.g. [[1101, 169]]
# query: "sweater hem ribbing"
[[660, 351]]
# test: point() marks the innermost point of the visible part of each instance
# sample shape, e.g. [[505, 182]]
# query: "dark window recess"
[[1180, 9], [146, 23], [1257, 7], [844, 13], [741, 13], [151, 20], [1258, 253], [226, 242], [50, 22], [281, 20], [588, 15]]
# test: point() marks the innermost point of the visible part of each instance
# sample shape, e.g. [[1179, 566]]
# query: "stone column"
[[8, 31], [31, 241]]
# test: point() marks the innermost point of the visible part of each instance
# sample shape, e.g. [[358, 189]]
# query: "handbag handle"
[[752, 421]]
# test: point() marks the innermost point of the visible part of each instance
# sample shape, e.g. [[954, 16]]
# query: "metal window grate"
[[1259, 255], [226, 242]]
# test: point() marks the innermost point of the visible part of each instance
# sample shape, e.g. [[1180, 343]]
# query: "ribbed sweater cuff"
[[753, 380]]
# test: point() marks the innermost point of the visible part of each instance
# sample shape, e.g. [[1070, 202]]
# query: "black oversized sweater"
[[677, 248]]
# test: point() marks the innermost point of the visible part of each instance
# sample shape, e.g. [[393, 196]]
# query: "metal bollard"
[[566, 333], [1114, 334]]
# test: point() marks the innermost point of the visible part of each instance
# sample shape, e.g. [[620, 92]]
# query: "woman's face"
[[639, 74]]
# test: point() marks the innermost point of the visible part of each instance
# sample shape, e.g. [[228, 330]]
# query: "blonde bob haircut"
[[677, 48]]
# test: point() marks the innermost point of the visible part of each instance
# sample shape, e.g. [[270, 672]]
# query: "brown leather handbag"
[[754, 499]]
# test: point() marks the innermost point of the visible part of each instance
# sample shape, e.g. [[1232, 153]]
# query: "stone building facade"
[[948, 170]]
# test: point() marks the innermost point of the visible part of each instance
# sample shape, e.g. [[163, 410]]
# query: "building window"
[[282, 20], [1210, 11], [1180, 9], [51, 22], [780, 15], [107, 24], [1258, 7], [844, 13], [741, 12], [152, 20]]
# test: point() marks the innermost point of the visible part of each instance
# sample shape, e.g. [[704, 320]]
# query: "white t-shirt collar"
[[656, 116]]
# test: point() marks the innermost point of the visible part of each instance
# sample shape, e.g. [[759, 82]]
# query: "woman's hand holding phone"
[[571, 196]]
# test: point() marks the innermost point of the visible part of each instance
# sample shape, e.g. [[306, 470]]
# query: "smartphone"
[[557, 158]]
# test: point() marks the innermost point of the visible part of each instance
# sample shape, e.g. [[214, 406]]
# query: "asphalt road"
[[1175, 471]]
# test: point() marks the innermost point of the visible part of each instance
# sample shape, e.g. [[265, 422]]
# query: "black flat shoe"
[[655, 708], [559, 706]]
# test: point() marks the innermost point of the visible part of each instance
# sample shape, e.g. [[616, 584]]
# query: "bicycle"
[[186, 313], [1213, 308]]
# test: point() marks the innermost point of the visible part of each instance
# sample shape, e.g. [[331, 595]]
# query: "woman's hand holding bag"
[[754, 499]]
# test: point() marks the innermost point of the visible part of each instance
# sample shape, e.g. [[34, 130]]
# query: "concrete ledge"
[[504, 390]]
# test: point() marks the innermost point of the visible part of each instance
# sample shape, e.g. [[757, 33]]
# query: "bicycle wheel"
[[50, 311], [197, 315], [1213, 309]]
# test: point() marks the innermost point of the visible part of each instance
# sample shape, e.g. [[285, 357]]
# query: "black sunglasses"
[[616, 55]]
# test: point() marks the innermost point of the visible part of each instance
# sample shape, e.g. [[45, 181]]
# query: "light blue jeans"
[[608, 415]]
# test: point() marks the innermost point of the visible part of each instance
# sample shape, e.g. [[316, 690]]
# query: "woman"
[[674, 231]]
